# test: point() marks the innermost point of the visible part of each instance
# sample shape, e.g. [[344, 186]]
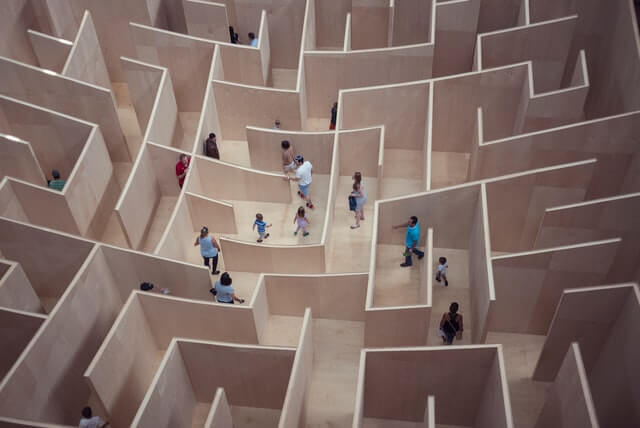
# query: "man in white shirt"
[[90, 421], [303, 177]]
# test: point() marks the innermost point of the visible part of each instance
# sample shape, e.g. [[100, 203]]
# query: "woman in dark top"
[[451, 324], [334, 116]]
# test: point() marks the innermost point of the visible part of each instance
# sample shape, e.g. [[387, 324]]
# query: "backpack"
[[352, 203]]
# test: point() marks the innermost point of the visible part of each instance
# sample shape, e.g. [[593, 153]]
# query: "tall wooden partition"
[[18, 328], [16, 291], [51, 52]]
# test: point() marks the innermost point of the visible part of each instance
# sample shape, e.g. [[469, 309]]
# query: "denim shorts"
[[304, 189]]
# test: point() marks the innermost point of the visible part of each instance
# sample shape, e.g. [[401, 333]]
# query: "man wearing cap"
[[303, 177]]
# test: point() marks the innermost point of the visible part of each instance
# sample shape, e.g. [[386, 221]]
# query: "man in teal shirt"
[[411, 240]]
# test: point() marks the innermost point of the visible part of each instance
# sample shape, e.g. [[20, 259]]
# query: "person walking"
[[411, 240], [303, 177], [181, 168], [301, 221], [57, 183], [442, 271], [334, 117], [224, 292], [253, 40], [209, 249], [360, 195], [90, 421], [451, 325]]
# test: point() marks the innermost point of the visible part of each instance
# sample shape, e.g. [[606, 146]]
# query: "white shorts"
[[290, 167]]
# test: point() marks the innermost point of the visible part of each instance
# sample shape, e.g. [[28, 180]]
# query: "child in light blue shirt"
[[262, 227]]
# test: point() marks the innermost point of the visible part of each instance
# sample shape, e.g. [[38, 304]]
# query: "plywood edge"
[[177, 35], [31, 424], [346, 46], [28, 314], [16, 140], [504, 385], [525, 27], [110, 247], [254, 87], [584, 385], [358, 414], [305, 36], [556, 249], [593, 202], [428, 146], [300, 374], [372, 257], [182, 199], [80, 161], [391, 49], [430, 412], [334, 177], [429, 262], [538, 171], [219, 405], [60, 40], [487, 243]]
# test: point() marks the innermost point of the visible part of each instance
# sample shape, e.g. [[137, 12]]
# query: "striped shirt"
[[261, 226]]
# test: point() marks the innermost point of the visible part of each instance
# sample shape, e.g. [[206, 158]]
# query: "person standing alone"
[[209, 249], [211, 147], [411, 240]]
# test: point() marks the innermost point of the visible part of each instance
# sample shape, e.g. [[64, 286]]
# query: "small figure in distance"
[[211, 147], [442, 271], [288, 162], [233, 36], [303, 176], [411, 240], [90, 421], [276, 124], [147, 286], [209, 249], [451, 325], [224, 292], [181, 168], [334, 117], [56, 183], [301, 220], [253, 40], [262, 227], [360, 196]]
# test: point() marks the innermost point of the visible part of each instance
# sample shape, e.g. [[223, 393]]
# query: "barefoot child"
[[442, 270], [288, 164], [262, 227], [301, 220]]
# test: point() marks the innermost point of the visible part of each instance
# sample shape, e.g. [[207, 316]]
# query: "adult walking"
[[209, 249], [360, 195], [210, 148], [303, 177], [451, 324], [411, 240], [334, 117]]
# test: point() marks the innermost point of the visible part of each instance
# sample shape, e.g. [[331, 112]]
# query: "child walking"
[[301, 220], [262, 227], [442, 271]]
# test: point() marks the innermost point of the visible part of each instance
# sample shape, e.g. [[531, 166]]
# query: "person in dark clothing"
[[334, 116], [211, 147], [451, 324], [233, 35]]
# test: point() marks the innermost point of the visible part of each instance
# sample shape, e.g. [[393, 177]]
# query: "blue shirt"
[[261, 225], [254, 42], [413, 235], [225, 293], [206, 247]]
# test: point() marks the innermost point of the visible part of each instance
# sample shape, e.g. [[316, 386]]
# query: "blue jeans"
[[304, 189], [407, 259]]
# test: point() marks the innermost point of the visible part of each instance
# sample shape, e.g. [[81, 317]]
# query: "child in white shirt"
[[442, 271]]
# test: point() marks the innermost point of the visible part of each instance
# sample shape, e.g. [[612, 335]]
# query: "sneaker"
[[310, 206], [259, 240], [305, 233], [355, 226], [438, 279], [420, 257], [301, 194], [215, 273], [266, 236], [404, 265], [446, 283]]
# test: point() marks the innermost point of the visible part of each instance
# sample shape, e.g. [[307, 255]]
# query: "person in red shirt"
[[181, 168]]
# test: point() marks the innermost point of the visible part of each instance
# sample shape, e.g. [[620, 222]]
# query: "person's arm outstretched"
[[197, 241], [398, 226]]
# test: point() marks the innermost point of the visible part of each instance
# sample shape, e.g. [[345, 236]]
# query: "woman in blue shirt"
[[209, 249], [411, 240], [225, 293]]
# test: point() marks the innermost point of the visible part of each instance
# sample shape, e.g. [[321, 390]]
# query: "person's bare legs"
[[357, 216]]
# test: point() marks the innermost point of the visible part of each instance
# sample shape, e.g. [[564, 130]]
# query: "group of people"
[[235, 39]]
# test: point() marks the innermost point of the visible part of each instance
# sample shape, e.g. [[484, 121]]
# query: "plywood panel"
[[327, 73], [240, 106], [51, 52], [176, 230], [220, 413], [188, 60], [399, 326], [165, 127], [10, 206], [18, 160], [249, 257], [498, 92], [170, 399], [266, 153], [498, 14], [16, 16], [360, 151], [206, 20], [242, 64], [455, 38], [318, 292], [87, 186], [17, 329], [85, 62], [16, 291], [402, 109], [63, 348], [237, 183], [219, 216], [143, 81], [260, 380], [57, 140], [67, 96], [411, 22], [529, 285], [397, 383], [370, 21], [547, 44], [330, 21], [569, 403]]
